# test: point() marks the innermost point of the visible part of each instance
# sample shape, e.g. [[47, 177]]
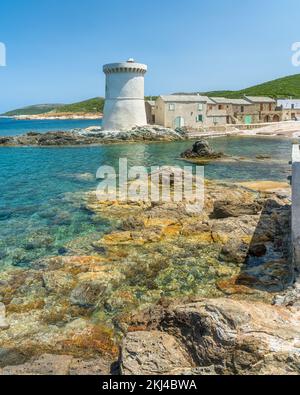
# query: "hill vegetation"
[[34, 110], [281, 88], [91, 106], [286, 87]]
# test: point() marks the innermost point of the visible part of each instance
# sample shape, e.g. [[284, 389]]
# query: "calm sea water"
[[13, 127], [41, 207]]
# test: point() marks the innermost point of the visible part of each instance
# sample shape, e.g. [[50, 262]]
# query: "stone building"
[[236, 111], [195, 111], [217, 112], [174, 111], [290, 108], [266, 108], [150, 111]]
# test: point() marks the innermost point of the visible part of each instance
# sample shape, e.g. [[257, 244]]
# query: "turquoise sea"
[[41, 199], [13, 127]]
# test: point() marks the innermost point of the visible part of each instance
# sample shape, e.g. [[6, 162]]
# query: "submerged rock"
[[88, 293], [58, 281]]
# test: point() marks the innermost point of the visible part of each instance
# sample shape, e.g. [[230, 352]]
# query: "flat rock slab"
[[58, 365], [268, 186], [221, 335], [153, 353]]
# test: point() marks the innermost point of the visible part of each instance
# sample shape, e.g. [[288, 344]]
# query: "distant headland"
[[286, 87]]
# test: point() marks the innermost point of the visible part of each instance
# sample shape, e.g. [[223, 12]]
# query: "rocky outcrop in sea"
[[94, 136], [201, 150]]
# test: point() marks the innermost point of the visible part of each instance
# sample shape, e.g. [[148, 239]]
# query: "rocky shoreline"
[[93, 136], [96, 136], [209, 293]]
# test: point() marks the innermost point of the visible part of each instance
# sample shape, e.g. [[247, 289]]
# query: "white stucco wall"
[[124, 98]]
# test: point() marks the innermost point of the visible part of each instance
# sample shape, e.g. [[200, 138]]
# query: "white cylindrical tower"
[[125, 96]]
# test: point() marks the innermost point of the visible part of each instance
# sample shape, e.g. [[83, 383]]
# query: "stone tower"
[[125, 96]]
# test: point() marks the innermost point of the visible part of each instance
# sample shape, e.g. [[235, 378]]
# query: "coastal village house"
[[266, 108], [290, 107], [175, 111], [235, 111], [150, 112], [196, 111]]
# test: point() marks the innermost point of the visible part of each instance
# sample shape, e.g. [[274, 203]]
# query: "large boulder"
[[202, 150], [229, 208], [234, 337]]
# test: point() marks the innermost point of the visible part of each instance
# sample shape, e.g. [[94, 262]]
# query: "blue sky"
[[55, 49]]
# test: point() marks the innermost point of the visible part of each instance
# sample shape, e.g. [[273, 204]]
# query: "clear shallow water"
[[13, 127], [40, 200]]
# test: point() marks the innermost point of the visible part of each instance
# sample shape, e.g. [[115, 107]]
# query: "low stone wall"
[[296, 205], [252, 126], [237, 127]]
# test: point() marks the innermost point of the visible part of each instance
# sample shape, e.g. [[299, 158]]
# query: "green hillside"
[[281, 88], [94, 105], [34, 110]]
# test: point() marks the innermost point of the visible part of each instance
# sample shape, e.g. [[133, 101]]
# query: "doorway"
[[248, 119], [179, 122]]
